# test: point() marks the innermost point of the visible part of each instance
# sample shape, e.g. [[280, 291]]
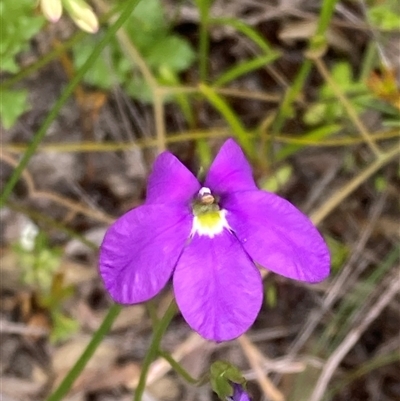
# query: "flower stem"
[[181, 370], [153, 350], [204, 41], [76, 370], [152, 311]]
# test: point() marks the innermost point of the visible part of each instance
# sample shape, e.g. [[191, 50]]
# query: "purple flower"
[[239, 394], [208, 237]]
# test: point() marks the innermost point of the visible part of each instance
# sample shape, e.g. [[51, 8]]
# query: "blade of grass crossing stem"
[[285, 111], [244, 68], [181, 98], [317, 135], [38, 137], [239, 131], [80, 364]]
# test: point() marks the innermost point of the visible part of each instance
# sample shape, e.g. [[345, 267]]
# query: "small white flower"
[[52, 9], [28, 236], [82, 14]]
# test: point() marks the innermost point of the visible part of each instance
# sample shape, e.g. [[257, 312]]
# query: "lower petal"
[[239, 394], [217, 287], [140, 251], [277, 235]]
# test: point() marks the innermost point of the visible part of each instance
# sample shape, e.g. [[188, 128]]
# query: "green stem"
[[38, 137], [204, 44], [80, 364], [152, 311], [152, 352], [180, 369], [327, 10]]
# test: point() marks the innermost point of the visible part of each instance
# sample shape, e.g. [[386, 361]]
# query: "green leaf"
[[149, 15], [339, 252], [383, 17], [328, 108], [278, 179], [18, 24], [222, 375], [162, 52], [63, 327], [172, 52], [315, 114], [138, 89], [110, 68], [99, 74], [13, 103], [381, 183]]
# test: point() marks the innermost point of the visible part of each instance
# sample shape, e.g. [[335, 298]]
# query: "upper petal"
[[140, 251], [217, 287], [170, 181], [230, 171], [278, 236]]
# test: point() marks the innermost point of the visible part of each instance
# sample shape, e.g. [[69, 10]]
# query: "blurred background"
[[91, 92]]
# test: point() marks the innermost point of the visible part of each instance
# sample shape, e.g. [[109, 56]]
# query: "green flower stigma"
[[210, 219]]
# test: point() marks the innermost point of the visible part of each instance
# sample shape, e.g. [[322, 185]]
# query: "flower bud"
[[52, 9], [82, 14]]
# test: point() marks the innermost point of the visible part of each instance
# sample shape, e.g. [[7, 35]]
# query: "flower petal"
[[277, 235], [239, 394], [217, 287], [140, 251], [170, 181], [230, 171]]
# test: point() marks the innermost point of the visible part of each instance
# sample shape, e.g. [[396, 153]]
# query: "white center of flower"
[[208, 218]]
